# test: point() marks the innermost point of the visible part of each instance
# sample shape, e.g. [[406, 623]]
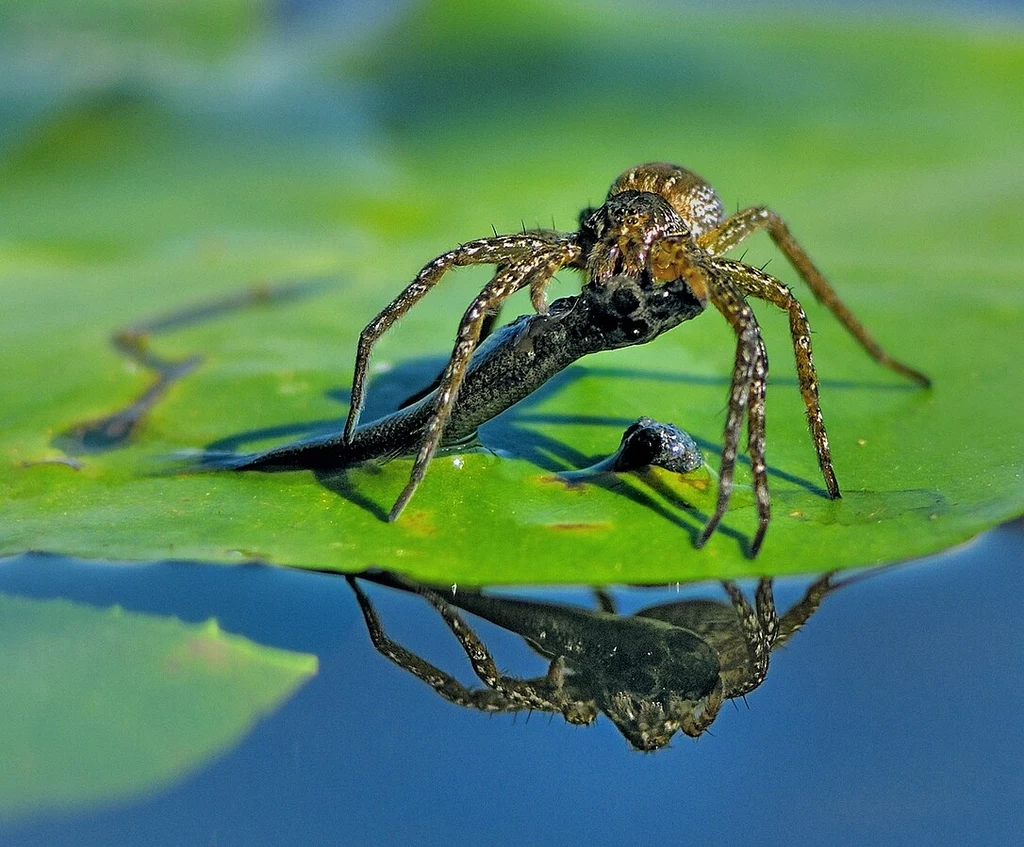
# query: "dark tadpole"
[[511, 364]]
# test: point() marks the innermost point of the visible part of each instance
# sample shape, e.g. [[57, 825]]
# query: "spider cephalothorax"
[[662, 231]]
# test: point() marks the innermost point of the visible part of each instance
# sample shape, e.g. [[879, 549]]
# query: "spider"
[[665, 669], [660, 225]]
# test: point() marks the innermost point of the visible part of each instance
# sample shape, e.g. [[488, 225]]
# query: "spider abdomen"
[[692, 197]]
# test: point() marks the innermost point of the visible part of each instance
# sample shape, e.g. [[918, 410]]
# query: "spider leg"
[[758, 284], [674, 257], [536, 271], [745, 223], [485, 251], [764, 599], [695, 725], [795, 618], [524, 694], [756, 446], [447, 686], [750, 372], [759, 643]]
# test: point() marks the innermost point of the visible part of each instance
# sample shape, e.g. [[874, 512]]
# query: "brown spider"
[[662, 226]]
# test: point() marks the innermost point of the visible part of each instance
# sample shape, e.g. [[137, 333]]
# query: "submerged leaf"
[[99, 704]]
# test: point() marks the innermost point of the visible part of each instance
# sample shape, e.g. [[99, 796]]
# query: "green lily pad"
[[100, 704], [891, 145]]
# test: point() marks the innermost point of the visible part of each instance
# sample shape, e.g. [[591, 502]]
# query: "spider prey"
[[660, 224], [665, 669], [652, 257]]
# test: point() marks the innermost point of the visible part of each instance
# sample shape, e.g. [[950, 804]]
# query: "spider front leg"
[[759, 626], [756, 446], [525, 694], [444, 684], [746, 397], [675, 257], [500, 250], [536, 272], [756, 283], [743, 224]]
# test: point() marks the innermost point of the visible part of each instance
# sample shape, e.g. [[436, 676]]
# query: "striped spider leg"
[[679, 257], [502, 693], [760, 627], [530, 259], [740, 226]]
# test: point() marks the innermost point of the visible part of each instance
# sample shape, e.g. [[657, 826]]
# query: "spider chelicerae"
[[661, 226]]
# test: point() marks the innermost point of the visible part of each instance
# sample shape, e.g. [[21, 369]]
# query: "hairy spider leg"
[[764, 600], [749, 376], [486, 700], [677, 257], [796, 617], [500, 250], [759, 645], [536, 271], [755, 283], [525, 693], [756, 446], [745, 223], [695, 725]]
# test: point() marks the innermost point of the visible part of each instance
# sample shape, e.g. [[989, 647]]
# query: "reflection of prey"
[[665, 669]]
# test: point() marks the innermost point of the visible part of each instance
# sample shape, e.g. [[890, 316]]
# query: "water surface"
[[894, 715]]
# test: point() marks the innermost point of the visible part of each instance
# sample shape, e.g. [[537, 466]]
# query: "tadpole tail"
[[324, 453], [578, 634], [510, 365], [378, 442], [329, 453]]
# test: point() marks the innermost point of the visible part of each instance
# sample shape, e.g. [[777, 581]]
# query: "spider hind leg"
[[756, 283], [743, 224]]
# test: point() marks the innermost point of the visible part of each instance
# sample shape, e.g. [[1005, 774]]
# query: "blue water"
[[894, 716]]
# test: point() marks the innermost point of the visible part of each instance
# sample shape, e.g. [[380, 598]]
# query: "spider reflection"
[[663, 670]]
